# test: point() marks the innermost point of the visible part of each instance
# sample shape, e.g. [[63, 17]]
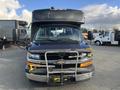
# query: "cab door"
[[106, 37]]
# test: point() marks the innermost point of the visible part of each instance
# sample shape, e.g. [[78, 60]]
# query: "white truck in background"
[[108, 38]]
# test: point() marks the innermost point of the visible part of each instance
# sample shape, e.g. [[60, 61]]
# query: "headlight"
[[88, 55], [33, 56], [83, 55]]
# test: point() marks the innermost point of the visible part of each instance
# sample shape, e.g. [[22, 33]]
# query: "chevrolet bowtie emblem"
[[60, 61]]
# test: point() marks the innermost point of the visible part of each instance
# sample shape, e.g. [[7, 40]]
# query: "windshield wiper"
[[63, 40], [46, 39], [67, 40]]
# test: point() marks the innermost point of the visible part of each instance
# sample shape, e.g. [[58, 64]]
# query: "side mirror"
[[103, 35], [27, 47], [90, 35]]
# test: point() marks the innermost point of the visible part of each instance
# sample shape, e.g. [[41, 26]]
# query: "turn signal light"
[[89, 49], [86, 64], [31, 66]]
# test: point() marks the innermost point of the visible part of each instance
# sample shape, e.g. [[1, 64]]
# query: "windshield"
[[58, 34]]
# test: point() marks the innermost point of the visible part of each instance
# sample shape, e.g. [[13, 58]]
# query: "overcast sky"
[[98, 13]]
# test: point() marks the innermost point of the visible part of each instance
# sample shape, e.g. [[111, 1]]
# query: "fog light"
[[89, 55], [86, 64]]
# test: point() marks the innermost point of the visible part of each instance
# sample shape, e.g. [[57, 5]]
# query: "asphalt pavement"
[[107, 71]]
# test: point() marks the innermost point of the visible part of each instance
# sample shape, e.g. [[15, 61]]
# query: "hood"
[[35, 46]]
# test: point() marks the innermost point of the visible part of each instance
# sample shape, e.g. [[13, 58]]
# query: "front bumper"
[[82, 74], [43, 78], [61, 69]]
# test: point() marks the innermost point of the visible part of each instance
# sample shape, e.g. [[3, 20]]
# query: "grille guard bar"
[[47, 66]]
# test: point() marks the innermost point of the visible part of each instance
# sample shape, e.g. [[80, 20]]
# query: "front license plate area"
[[61, 79], [55, 79]]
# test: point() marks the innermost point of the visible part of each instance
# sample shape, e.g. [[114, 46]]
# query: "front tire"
[[97, 43]]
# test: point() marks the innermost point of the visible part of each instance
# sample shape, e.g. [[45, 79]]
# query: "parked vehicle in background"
[[13, 30], [58, 52], [108, 38], [85, 35]]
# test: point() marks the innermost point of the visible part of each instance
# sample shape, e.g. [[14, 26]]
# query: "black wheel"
[[97, 43]]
